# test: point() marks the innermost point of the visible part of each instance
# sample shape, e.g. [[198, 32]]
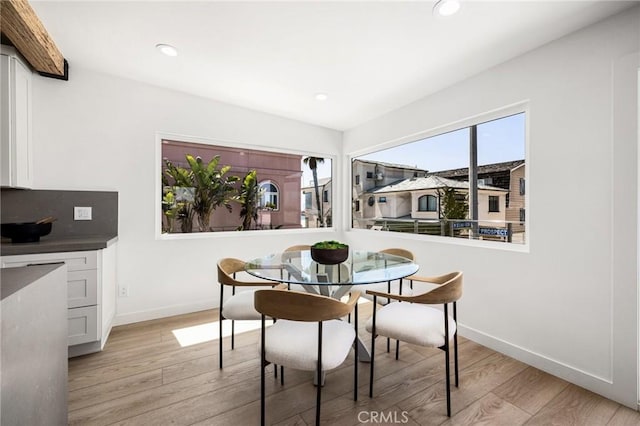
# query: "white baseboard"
[[600, 385], [167, 311]]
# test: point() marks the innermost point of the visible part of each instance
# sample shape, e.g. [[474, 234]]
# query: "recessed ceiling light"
[[446, 7], [321, 96], [167, 49]]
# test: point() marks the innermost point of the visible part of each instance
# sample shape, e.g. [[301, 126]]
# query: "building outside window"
[[466, 183], [308, 201], [382, 199]]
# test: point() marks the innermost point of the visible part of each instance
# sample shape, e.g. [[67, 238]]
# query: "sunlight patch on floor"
[[210, 331]]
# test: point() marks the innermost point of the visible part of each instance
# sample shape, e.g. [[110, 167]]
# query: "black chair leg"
[[319, 372], [233, 329], [373, 347], [446, 354], [355, 361], [455, 342], [388, 344], [281, 375], [262, 379], [397, 349], [220, 342]]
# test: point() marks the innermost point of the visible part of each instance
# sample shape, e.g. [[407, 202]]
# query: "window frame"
[[453, 124], [159, 235], [262, 194], [428, 197], [494, 201]]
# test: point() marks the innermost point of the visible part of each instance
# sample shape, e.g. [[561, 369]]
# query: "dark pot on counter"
[[28, 232]]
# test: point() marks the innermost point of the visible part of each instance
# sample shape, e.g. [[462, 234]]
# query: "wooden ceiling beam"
[[20, 24]]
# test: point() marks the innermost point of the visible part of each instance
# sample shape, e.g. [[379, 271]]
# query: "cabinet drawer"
[[76, 261], [83, 325], [82, 288]]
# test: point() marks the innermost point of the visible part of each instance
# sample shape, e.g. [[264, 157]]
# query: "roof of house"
[[396, 166], [487, 168], [429, 182]]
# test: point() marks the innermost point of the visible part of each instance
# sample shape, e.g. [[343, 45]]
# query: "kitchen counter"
[[33, 338], [46, 245]]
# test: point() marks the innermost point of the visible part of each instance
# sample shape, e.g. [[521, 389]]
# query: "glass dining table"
[[361, 267]]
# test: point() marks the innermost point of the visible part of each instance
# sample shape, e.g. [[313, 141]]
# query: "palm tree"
[[313, 162], [248, 198]]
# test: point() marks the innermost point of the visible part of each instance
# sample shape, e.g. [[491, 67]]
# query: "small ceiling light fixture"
[[167, 49], [321, 96], [446, 8]]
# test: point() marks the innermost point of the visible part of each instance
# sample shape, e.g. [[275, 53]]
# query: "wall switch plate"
[[82, 213]]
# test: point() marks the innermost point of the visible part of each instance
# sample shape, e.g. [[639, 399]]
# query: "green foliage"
[[248, 199], [212, 188], [453, 204], [170, 210], [313, 162], [330, 244]]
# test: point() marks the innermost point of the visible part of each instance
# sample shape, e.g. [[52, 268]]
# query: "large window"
[[212, 188], [475, 176]]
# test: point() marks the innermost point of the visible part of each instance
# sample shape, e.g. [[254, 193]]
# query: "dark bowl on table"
[[329, 256], [28, 232]]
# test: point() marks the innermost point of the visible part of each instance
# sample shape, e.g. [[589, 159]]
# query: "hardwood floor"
[[145, 377]]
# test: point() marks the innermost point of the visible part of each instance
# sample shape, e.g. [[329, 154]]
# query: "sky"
[[498, 140]]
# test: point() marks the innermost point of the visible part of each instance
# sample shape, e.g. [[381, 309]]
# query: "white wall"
[[568, 304], [98, 132]]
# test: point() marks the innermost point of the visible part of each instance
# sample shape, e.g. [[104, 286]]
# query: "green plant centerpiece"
[[329, 252]]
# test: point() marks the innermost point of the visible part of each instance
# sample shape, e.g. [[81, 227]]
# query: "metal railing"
[[493, 230]]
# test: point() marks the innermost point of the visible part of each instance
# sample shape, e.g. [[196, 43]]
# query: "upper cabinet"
[[16, 167]]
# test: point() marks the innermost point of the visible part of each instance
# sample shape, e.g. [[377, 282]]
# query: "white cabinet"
[[16, 168], [91, 293]]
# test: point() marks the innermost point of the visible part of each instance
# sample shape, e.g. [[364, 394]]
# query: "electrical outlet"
[[82, 213], [124, 292]]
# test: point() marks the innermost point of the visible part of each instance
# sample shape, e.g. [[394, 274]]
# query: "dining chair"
[[415, 322], [306, 336], [395, 287], [240, 305], [288, 256], [390, 287]]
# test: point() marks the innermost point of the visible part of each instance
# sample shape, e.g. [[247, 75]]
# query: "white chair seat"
[[384, 288], [295, 344], [240, 307], [413, 323]]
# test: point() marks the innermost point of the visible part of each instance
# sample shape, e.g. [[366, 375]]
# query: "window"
[[494, 204], [436, 174], [522, 215], [269, 196], [382, 199], [371, 201], [325, 196], [428, 203], [357, 205], [204, 187], [357, 179]]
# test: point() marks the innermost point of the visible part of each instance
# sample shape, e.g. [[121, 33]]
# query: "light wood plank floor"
[[145, 377]]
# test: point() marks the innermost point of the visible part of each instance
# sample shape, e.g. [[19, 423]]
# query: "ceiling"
[[369, 57]]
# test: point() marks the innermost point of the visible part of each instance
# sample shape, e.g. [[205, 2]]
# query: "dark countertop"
[[15, 279], [45, 245]]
